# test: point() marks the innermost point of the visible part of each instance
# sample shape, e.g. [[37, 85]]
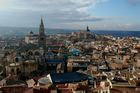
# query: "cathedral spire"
[[88, 29], [41, 28], [42, 36], [42, 22]]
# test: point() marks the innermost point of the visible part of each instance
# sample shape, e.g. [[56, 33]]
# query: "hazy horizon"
[[76, 29], [7, 32]]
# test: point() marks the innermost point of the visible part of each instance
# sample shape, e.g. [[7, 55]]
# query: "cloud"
[[59, 14], [56, 11], [134, 2]]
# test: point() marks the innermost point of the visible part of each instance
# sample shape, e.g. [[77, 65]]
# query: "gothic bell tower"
[[42, 36]]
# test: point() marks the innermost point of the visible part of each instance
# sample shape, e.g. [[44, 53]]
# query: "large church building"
[[37, 38]]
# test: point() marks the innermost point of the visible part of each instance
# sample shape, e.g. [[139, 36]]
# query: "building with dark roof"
[[52, 63], [71, 77], [55, 65], [63, 78], [73, 82]]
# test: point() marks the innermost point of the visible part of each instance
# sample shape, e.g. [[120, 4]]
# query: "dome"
[[31, 33]]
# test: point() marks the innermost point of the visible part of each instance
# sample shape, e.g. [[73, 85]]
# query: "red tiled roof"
[[66, 91], [30, 90]]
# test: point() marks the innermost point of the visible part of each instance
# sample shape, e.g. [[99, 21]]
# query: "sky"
[[72, 14]]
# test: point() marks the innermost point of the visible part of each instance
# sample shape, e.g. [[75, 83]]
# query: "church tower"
[[42, 36], [88, 29]]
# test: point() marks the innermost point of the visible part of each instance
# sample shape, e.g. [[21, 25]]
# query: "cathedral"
[[39, 39]]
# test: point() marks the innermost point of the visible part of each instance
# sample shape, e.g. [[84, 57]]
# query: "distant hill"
[[22, 31]]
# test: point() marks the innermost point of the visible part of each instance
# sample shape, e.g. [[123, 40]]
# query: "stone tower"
[[88, 29], [42, 36]]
